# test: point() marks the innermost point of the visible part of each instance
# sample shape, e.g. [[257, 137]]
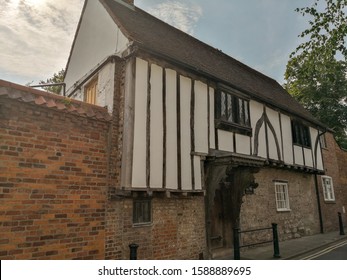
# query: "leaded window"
[[232, 112]]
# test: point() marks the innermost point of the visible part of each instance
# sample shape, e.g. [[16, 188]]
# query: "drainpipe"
[[316, 185], [318, 203]]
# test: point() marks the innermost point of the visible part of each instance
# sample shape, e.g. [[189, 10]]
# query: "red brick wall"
[[335, 161], [53, 179], [177, 230]]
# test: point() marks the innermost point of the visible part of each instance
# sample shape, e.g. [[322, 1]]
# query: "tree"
[[56, 79], [316, 72]]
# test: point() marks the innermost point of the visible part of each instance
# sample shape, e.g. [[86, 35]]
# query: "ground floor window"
[[328, 188], [142, 211], [282, 197]]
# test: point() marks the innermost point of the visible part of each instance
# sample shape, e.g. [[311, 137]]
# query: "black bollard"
[[133, 251], [342, 232], [275, 241], [236, 244]]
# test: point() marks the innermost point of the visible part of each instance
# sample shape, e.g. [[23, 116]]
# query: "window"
[[301, 134], [90, 91], [323, 142], [328, 189], [232, 112], [142, 211], [282, 198]]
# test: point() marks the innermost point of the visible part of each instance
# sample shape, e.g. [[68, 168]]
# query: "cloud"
[[36, 36], [179, 14]]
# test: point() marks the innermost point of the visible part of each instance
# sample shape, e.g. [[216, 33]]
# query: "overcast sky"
[[36, 35]]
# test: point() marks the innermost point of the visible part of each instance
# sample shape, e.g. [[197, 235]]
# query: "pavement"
[[294, 248]]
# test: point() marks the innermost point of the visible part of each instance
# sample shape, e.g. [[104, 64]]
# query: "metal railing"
[[274, 240]]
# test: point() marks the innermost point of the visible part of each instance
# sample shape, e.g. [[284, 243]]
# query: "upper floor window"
[[301, 134], [90, 91], [232, 112], [328, 188], [322, 141]]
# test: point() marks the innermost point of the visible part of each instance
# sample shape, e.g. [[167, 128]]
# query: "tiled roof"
[[153, 34], [52, 101]]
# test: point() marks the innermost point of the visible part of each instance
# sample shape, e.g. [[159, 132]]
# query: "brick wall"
[[335, 160], [259, 209], [177, 230], [53, 179]]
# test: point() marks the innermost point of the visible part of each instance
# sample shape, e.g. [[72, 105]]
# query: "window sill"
[[233, 127], [329, 201], [283, 210], [142, 225]]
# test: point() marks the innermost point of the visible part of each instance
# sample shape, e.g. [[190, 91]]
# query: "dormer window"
[[301, 134], [232, 112]]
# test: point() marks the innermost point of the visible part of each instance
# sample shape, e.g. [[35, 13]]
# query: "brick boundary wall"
[[53, 177]]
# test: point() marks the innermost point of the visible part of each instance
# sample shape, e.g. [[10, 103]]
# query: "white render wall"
[[170, 143], [97, 38]]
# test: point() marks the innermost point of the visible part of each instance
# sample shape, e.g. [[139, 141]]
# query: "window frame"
[[301, 135], [329, 195], [232, 111], [323, 141], [286, 206], [139, 205], [91, 91]]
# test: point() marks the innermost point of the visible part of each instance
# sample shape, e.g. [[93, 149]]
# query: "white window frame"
[[328, 189], [282, 196]]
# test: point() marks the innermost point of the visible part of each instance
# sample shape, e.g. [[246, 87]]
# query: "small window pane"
[[328, 189], [142, 212], [282, 198], [230, 108]]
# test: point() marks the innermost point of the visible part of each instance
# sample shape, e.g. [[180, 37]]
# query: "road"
[[337, 251]]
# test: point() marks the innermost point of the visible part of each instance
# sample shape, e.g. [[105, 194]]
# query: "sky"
[[36, 35]]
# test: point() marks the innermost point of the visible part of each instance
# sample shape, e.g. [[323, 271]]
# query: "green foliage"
[[57, 78], [316, 71], [328, 28]]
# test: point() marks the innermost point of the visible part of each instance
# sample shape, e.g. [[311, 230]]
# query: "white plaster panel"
[[156, 127], [201, 118], [287, 139], [78, 95], [299, 158], [275, 122], [171, 129], [225, 140], [256, 111], [185, 99], [212, 128], [140, 121], [243, 143], [262, 142], [308, 157], [273, 154], [97, 38], [320, 165], [106, 87], [197, 173]]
